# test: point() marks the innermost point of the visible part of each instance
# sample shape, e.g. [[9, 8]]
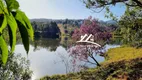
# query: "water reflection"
[[49, 57], [44, 62], [49, 44]]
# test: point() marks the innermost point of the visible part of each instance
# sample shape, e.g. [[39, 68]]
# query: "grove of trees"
[[46, 30]]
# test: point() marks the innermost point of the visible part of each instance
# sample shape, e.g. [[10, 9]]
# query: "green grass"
[[122, 63], [123, 53]]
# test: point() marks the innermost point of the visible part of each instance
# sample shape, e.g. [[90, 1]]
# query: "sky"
[[63, 9]]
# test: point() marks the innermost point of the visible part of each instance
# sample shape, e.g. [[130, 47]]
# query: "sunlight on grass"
[[123, 53]]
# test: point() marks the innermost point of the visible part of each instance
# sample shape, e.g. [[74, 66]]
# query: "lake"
[[49, 57]]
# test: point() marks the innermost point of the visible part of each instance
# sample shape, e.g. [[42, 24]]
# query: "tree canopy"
[[99, 5], [92, 26], [130, 28]]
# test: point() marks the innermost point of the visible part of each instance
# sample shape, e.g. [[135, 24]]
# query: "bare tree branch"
[[139, 3]]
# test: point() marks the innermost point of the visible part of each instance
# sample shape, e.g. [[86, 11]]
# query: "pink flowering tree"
[[83, 52], [92, 26]]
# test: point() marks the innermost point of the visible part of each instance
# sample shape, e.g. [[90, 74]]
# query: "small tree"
[[16, 68], [83, 52]]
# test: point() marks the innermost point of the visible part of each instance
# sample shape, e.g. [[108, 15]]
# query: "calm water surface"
[[49, 57]]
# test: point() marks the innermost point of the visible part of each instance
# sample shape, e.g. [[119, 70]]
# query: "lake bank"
[[45, 56], [121, 63]]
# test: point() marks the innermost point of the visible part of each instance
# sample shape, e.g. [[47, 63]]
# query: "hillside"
[[122, 63]]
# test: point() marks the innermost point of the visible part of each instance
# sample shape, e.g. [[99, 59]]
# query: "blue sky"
[[62, 9]]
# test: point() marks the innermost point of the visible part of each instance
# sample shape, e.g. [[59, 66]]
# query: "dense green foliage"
[[130, 28], [13, 18], [46, 30]]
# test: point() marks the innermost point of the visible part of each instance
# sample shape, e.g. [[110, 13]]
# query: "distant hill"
[[45, 27], [77, 22], [111, 22], [40, 20]]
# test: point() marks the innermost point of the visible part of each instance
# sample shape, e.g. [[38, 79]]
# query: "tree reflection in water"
[[49, 44]]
